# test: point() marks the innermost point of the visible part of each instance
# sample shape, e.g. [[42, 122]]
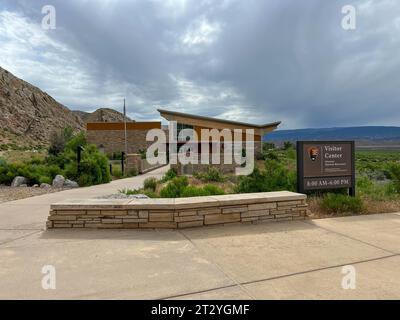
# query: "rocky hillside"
[[28, 115], [101, 115]]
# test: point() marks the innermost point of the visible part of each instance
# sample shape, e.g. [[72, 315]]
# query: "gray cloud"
[[249, 60]]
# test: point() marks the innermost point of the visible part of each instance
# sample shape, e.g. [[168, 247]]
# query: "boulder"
[[35, 186], [70, 184], [45, 186], [58, 181], [18, 181]]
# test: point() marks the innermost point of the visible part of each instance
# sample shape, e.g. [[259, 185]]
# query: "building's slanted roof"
[[209, 122]]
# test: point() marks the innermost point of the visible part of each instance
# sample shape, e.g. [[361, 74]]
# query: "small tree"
[[58, 140]]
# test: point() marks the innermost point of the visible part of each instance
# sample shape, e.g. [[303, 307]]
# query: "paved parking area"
[[284, 260]]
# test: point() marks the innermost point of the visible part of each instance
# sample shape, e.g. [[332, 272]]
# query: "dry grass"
[[370, 207], [21, 156]]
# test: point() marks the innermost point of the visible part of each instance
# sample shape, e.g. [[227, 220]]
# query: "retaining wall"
[[178, 213]]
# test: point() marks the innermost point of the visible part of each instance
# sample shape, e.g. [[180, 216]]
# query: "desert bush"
[[267, 146], [150, 184], [192, 191], [58, 140], [147, 192], [117, 172], [255, 182], [211, 174], [142, 154], [129, 191], [276, 177], [340, 203], [271, 155], [35, 173], [175, 187], [150, 193], [288, 145], [132, 172], [375, 190], [169, 175], [93, 168], [207, 190], [213, 190], [394, 174]]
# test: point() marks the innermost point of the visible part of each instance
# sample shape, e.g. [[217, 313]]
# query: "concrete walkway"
[[31, 213], [287, 260]]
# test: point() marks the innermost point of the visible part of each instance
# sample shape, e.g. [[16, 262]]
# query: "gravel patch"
[[10, 194]]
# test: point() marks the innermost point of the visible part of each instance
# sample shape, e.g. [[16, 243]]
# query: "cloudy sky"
[[248, 60]]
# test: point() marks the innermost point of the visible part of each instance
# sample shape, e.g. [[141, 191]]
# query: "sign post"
[[324, 165]]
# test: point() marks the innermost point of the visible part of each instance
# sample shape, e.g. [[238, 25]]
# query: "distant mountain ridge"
[[367, 133], [101, 115], [28, 115]]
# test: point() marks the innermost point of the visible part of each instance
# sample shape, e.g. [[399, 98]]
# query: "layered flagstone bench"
[[177, 213]]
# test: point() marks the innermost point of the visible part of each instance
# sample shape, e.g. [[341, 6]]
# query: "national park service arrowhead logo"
[[313, 152]]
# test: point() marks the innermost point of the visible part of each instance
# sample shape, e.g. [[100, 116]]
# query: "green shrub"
[[271, 155], [169, 175], [147, 192], [117, 172], [129, 191], [150, 193], [150, 184], [276, 177], [340, 203], [34, 172], [376, 190], [288, 145], [45, 179], [255, 182], [212, 190], [192, 191], [212, 174], [132, 172], [142, 154], [183, 191], [58, 140], [267, 146], [93, 168], [174, 188], [394, 174]]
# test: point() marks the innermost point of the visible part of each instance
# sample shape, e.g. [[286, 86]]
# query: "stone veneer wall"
[[178, 213], [114, 140], [135, 162]]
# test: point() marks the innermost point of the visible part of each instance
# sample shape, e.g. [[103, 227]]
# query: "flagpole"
[[126, 139]]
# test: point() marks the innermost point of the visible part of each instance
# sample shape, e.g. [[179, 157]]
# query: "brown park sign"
[[325, 165]]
